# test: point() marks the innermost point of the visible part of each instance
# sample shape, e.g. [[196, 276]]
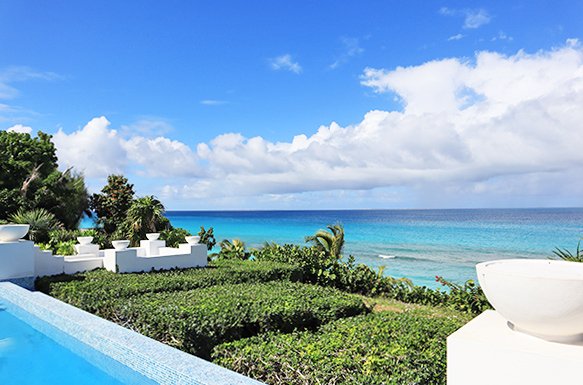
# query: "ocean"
[[417, 244]]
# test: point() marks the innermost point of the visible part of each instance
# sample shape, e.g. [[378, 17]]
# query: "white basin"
[[120, 245], [84, 240], [540, 297], [153, 236], [192, 239], [12, 233]]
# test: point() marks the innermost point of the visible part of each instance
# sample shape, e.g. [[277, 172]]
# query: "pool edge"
[[155, 360]]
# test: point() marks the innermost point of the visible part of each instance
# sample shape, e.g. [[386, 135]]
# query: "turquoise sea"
[[418, 244]]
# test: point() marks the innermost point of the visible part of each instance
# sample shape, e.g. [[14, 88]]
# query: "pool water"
[[29, 357]]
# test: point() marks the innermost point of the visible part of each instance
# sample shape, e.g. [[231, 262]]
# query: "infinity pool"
[[30, 357]]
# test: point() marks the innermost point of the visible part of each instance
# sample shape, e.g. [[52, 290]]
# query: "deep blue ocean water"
[[424, 243]]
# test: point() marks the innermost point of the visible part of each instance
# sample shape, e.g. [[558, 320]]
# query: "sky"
[[305, 104]]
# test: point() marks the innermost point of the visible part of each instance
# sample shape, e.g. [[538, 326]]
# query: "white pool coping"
[[154, 360]]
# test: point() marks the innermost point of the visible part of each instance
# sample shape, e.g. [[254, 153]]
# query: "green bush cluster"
[[322, 269], [380, 348], [197, 320], [95, 291]]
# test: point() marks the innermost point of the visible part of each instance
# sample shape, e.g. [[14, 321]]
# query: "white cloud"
[[351, 47], [286, 63], [10, 75], [161, 157], [95, 149], [16, 74], [502, 36], [464, 123], [473, 18], [495, 128], [20, 129], [459, 36], [213, 102]]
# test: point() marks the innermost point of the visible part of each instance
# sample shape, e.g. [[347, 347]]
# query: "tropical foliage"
[[41, 223], [233, 250], [145, 215], [207, 237], [30, 179], [112, 204], [330, 242], [566, 255]]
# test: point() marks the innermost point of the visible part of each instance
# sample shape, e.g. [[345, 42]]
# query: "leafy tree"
[[41, 223], [330, 242], [145, 215], [112, 204], [29, 179], [207, 237], [65, 195]]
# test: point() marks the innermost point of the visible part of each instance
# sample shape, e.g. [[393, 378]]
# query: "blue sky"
[[172, 77]]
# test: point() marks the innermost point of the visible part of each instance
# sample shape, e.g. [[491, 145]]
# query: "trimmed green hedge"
[[381, 348], [95, 291], [196, 321]]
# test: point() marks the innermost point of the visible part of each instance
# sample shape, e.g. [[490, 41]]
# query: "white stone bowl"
[[540, 297], [120, 245], [84, 240], [192, 239], [12, 233], [153, 236]]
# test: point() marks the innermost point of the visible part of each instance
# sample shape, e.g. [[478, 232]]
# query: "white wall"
[[127, 261], [17, 259]]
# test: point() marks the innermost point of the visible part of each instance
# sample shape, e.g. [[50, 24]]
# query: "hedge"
[[380, 348], [95, 291], [195, 321]]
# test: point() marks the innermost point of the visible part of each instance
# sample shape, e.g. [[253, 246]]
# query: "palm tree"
[[330, 242], [145, 215], [233, 250], [566, 255], [41, 222]]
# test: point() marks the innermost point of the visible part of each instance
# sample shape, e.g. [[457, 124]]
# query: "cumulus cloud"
[[19, 128], [286, 63], [98, 150], [464, 123], [95, 149], [473, 18], [492, 126]]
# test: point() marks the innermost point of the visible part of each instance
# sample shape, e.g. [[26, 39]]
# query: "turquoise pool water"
[[29, 357]]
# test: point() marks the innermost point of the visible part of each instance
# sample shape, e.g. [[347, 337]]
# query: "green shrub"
[[348, 276], [196, 321], [174, 236], [381, 348], [95, 291], [65, 248], [60, 240]]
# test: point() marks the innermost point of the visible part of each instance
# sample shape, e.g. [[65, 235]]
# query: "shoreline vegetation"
[[295, 314]]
